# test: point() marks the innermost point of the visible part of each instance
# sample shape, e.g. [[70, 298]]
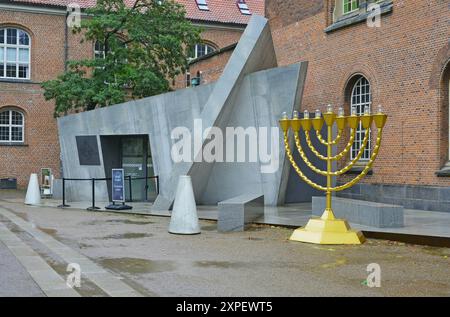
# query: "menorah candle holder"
[[327, 229]]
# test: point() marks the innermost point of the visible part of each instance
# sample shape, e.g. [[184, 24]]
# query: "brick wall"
[[41, 148], [212, 68], [403, 60]]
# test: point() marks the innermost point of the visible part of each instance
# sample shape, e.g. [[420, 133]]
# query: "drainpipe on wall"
[[66, 41]]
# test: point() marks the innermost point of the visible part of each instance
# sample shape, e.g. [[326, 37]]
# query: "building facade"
[[396, 56], [35, 44]]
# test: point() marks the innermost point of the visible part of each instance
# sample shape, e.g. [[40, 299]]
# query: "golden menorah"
[[327, 229]]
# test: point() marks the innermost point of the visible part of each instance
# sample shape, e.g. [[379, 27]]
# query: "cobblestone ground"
[[258, 262]]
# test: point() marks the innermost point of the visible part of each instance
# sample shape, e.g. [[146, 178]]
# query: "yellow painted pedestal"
[[330, 231]]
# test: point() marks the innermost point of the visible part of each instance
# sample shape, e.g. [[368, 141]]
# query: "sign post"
[[118, 190]]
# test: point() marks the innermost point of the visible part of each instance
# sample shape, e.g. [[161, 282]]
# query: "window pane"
[[24, 55], [11, 36], [4, 117], [2, 54], [23, 38], [11, 54], [24, 71], [11, 71], [2, 36], [4, 133], [201, 50], [2, 70], [16, 134], [361, 99], [16, 118]]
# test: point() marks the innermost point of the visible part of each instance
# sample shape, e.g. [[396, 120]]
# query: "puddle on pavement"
[[254, 227], [442, 252], [119, 221], [209, 228], [87, 289], [129, 222], [22, 215], [136, 265], [254, 239], [128, 235], [49, 231], [84, 245], [219, 264]]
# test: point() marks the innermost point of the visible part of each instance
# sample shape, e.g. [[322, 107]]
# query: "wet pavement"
[[138, 251]]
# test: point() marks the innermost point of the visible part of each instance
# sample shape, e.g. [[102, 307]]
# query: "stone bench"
[[237, 212], [362, 212]]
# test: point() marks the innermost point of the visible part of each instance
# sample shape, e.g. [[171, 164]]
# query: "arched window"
[[201, 49], [12, 126], [14, 53], [361, 98]]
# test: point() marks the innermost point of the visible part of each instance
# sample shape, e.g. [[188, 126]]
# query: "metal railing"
[[93, 180]]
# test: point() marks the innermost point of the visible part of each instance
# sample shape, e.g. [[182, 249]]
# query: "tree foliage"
[[144, 46]]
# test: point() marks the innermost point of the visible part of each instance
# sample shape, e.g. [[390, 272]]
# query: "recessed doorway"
[[133, 154]]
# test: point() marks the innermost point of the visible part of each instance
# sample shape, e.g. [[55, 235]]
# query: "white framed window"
[[361, 98], [243, 7], [201, 49], [202, 5], [15, 47], [99, 50], [12, 126]]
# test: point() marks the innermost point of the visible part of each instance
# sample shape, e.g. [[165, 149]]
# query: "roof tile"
[[223, 11]]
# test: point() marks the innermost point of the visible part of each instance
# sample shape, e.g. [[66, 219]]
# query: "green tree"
[[143, 48]]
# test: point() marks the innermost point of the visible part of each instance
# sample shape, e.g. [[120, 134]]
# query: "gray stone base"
[[431, 198], [236, 212], [362, 212]]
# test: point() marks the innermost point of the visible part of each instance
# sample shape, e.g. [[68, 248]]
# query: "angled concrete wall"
[[254, 52]]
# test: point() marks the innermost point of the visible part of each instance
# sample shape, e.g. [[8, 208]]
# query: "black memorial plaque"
[[88, 150]]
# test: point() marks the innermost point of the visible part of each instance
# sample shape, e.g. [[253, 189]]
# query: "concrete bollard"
[[33, 196], [184, 218]]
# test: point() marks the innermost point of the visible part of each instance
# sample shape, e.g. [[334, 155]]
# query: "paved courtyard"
[[133, 255]]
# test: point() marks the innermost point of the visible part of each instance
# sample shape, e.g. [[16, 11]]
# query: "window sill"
[[357, 17], [13, 144], [16, 81]]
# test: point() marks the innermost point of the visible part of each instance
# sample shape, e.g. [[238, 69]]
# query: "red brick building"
[[35, 44], [402, 65]]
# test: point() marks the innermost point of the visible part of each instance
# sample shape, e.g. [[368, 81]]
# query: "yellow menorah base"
[[335, 231]]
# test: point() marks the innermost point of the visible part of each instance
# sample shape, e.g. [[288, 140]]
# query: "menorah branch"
[[295, 166], [334, 142], [358, 156], [305, 158], [333, 158], [366, 169]]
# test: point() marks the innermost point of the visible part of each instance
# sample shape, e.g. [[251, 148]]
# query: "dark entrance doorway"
[[133, 154]]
